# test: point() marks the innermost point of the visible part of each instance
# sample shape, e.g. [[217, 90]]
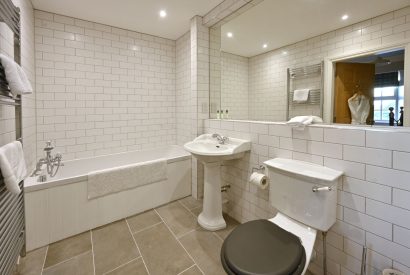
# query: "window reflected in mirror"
[[369, 90]]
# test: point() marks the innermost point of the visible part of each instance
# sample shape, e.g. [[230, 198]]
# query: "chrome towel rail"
[[12, 236]]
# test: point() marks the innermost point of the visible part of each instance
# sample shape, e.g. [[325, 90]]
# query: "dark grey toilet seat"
[[261, 247]]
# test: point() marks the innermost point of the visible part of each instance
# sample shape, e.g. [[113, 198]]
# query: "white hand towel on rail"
[[117, 179], [16, 77], [12, 165], [301, 95]]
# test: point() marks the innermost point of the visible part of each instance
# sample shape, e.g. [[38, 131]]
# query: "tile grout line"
[[189, 255], [186, 233], [148, 227], [44, 262], [135, 242], [66, 260], [92, 249], [189, 210], [124, 264], [186, 269], [219, 237]]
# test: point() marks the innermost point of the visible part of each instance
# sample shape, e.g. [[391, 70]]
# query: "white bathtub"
[[59, 208]]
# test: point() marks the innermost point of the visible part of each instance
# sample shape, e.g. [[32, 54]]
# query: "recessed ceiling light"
[[162, 13], [229, 34], [265, 46], [345, 17], [284, 52]]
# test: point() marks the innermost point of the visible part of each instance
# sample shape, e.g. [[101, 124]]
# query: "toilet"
[[305, 196]]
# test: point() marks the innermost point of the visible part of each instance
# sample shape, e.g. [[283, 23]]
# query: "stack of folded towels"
[[13, 166], [302, 121]]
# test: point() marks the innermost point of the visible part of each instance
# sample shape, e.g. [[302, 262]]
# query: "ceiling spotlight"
[[284, 52], [265, 46], [345, 17], [229, 34], [162, 13]]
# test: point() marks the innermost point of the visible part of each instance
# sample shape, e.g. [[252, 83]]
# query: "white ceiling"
[[283, 22], [136, 15]]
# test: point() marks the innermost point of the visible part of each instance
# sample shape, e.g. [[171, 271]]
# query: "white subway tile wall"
[[199, 35], [183, 89], [373, 201], [7, 118], [234, 85], [101, 89]]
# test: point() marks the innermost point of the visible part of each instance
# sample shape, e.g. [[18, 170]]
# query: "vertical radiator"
[[12, 223], [12, 237]]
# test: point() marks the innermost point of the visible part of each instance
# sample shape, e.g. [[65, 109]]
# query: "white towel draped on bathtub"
[[117, 179]]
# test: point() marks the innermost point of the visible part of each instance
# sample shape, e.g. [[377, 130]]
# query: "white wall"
[[235, 85], [373, 202], [7, 121], [102, 89], [183, 89]]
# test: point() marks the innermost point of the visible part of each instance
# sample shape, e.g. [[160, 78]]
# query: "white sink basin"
[[208, 149], [211, 153]]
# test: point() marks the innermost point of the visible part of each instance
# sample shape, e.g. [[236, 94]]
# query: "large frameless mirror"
[[262, 70]]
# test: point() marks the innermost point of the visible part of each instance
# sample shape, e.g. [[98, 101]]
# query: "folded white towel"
[[302, 121], [12, 165], [117, 179], [16, 77], [301, 95]]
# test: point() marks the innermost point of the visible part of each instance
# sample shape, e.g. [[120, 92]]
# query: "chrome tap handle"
[[49, 146], [319, 189]]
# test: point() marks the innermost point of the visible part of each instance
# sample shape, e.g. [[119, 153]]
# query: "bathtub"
[[59, 208]]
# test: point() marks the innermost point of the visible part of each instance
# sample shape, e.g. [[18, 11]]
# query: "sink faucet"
[[221, 139], [49, 160]]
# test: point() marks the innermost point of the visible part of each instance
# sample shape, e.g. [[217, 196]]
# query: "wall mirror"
[[260, 66], [369, 89]]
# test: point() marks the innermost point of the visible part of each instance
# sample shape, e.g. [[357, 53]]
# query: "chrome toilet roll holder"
[[258, 168]]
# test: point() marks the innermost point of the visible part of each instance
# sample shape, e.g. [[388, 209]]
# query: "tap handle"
[[49, 146]]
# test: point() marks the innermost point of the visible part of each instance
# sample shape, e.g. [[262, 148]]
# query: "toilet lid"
[[262, 247]]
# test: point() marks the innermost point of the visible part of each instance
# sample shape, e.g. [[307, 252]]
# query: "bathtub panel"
[[65, 210], [37, 231]]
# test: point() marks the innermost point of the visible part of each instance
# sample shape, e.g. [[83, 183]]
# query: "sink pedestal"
[[211, 215]]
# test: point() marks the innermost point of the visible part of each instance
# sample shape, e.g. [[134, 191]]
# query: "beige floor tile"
[[79, 265], [161, 251], [68, 248], [230, 225], [136, 267], [192, 271], [178, 218], [32, 263], [191, 202], [143, 220], [205, 248], [197, 210], [113, 246]]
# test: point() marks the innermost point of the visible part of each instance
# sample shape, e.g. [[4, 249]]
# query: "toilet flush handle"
[[324, 188]]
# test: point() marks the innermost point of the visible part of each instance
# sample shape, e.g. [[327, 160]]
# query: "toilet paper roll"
[[258, 179]]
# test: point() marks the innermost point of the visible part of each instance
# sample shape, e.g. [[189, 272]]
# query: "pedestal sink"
[[211, 152]]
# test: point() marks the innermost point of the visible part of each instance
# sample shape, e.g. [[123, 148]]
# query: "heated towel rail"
[[12, 225], [301, 78]]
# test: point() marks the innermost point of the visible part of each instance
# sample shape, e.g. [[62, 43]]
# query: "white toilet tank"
[[291, 191]]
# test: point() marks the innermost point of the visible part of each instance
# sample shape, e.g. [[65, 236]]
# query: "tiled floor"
[[166, 240]]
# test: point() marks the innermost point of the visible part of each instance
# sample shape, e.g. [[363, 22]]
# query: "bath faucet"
[[49, 160], [221, 139]]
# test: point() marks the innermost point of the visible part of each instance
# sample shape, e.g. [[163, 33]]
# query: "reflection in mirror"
[[253, 51], [370, 89]]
